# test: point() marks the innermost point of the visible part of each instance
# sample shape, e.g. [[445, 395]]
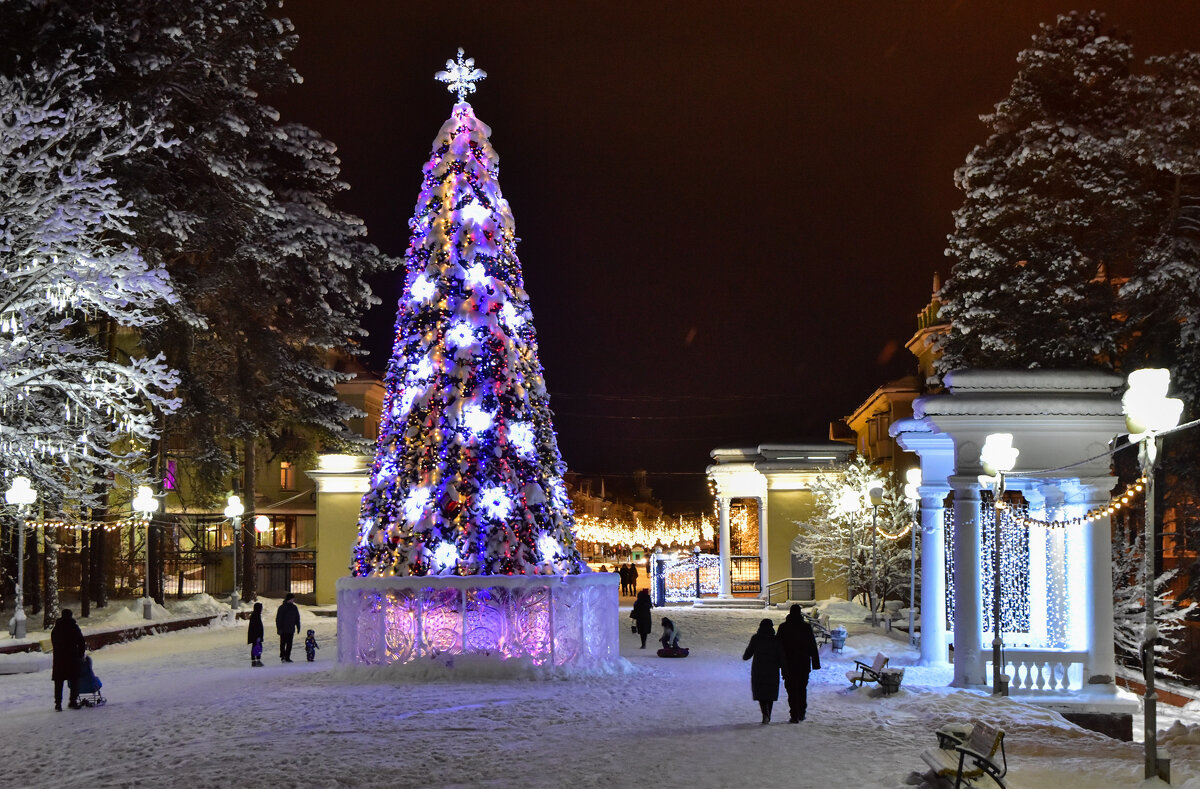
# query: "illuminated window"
[[287, 476]]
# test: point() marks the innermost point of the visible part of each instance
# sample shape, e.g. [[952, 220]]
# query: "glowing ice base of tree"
[[560, 620]]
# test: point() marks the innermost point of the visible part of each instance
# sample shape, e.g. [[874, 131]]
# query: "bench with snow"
[[862, 673], [964, 759]]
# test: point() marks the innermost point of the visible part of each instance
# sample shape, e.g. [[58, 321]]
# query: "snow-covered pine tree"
[[467, 478], [271, 275], [1129, 594], [1049, 198], [71, 415], [837, 534]]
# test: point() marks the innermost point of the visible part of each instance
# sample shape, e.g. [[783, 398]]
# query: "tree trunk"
[[99, 557], [50, 615], [249, 570], [33, 571], [85, 572]]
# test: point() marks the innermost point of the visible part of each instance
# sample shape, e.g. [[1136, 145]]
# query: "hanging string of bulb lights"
[[611, 531], [1115, 504]]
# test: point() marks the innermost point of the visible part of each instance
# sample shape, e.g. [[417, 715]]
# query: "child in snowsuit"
[[254, 635], [310, 646]]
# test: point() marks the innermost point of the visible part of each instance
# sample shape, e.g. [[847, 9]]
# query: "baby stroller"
[[88, 685]]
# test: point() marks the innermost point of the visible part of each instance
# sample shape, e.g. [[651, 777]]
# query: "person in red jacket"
[[800, 655]]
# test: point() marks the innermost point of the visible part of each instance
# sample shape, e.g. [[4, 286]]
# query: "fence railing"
[[745, 574], [791, 589], [284, 570], [1033, 671]]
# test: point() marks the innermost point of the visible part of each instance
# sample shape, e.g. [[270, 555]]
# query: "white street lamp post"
[[875, 498], [997, 457], [1148, 412], [913, 494], [850, 503], [22, 495], [233, 511], [145, 504]]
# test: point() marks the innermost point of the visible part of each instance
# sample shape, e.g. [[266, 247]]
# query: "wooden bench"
[[820, 632], [966, 760], [862, 673]]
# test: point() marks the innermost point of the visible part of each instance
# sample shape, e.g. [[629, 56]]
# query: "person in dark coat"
[[633, 576], [800, 655], [764, 671], [624, 571], [642, 615], [254, 635], [66, 640], [287, 625]]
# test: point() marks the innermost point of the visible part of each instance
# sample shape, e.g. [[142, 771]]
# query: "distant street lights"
[[875, 499], [146, 505], [1148, 412], [913, 494], [21, 495], [997, 457], [234, 511]]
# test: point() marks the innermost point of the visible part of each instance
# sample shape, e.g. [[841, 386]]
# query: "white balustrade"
[[1033, 671]]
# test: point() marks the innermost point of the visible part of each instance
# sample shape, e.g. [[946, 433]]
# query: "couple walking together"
[[793, 651]]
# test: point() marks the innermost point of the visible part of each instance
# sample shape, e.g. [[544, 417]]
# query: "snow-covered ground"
[[186, 709]]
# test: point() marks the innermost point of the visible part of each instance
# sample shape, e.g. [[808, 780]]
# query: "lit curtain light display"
[[1036, 565], [626, 534]]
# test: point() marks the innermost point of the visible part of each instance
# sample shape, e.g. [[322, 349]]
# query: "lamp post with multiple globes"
[[997, 457], [21, 495], [1148, 412]]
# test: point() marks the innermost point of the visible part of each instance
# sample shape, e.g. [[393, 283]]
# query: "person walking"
[[633, 576], [66, 640], [624, 571], [764, 670], [287, 624], [800, 655], [254, 635], [642, 615]]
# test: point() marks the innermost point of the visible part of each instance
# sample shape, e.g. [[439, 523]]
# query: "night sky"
[[730, 213]]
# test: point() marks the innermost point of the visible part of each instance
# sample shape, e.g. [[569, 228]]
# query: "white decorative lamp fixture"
[[874, 497], [1148, 412], [146, 505], [22, 496], [997, 457], [234, 511]]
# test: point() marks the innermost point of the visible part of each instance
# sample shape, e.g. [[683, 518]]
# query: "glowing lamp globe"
[[1146, 405], [21, 492], [874, 493], [144, 502], [234, 508], [912, 483], [998, 454], [262, 524]]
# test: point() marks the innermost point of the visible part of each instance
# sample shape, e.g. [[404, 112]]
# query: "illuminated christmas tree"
[[467, 478]]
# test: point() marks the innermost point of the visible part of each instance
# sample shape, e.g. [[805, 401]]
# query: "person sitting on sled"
[[670, 636]]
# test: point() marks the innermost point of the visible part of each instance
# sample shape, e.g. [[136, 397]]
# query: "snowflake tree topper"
[[461, 75]]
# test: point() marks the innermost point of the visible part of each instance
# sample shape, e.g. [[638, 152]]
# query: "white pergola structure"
[[1056, 565], [755, 473]]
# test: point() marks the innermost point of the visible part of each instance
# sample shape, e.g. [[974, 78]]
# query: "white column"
[[1038, 536], [723, 520], [968, 597], [933, 575], [763, 575], [1102, 664]]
